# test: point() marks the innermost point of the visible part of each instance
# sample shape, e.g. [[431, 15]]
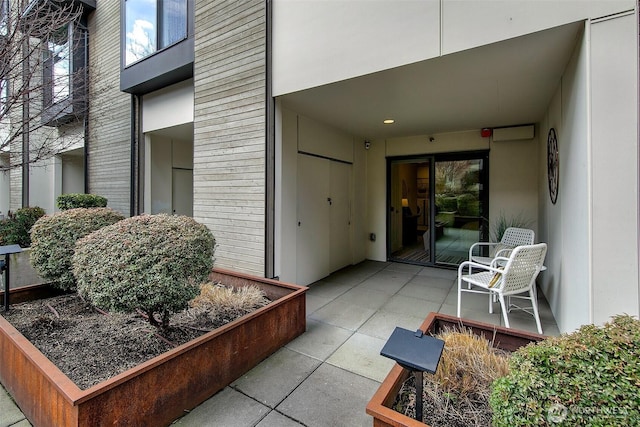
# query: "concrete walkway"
[[326, 376]]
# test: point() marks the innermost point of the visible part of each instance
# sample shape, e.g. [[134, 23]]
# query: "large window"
[[4, 16], [153, 25], [58, 67], [64, 74], [4, 96]]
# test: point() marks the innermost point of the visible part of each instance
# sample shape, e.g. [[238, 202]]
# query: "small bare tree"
[[43, 80]]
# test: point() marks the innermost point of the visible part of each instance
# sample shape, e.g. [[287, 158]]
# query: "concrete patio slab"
[[404, 268], [365, 297], [382, 324], [275, 378], [343, 314], [439, 272], [423, 291], [276, 419], [326, 376], [360, 354], [433, 282], [227, 408], [314, 302], [320, 340], [327, 289], [10, 414], [331, 397], [404, 304]]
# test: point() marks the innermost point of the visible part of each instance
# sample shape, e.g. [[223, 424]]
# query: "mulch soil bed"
[[90, 346]]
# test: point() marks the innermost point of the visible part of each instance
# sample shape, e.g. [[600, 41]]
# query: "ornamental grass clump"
[[589, 377], [220, 302], [149, 263], [458, 393], [53, 239]]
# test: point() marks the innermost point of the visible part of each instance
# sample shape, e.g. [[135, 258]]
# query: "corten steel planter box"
[[380, 404], [160, 390]]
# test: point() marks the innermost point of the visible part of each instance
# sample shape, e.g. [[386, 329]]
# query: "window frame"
[[170, 65], [158, 27], [59, 111]]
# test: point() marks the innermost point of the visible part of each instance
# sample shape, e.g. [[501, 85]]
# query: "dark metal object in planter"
[[380, 405], [4, 267], [416, 352]]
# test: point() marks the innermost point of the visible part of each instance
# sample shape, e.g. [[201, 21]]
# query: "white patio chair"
[[512, 237], [506, 277]]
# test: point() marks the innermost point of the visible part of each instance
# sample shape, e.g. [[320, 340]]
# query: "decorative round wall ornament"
[[553, 165]]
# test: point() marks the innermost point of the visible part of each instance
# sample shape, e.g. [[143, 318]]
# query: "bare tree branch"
[[44, 86]]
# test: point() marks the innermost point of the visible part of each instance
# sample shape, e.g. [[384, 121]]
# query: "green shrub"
[[76, 200], [15, 229], [152, 263], [446, 203], [468, 205], [590, 377], [54, 238]]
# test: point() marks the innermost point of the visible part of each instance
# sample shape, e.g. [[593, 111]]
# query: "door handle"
[[329, 200]]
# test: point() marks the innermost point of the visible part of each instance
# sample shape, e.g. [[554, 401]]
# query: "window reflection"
[[59, 52], [4, 94], [152, 25], [174, 21], [4, 16]]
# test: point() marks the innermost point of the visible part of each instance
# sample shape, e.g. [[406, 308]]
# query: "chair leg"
[[490, 303], [504, 310], [459, 294], [534, 304]]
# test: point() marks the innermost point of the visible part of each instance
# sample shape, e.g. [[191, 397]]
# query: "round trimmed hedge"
[[53, 239], [589, 377], [152, 263], [80, 200]]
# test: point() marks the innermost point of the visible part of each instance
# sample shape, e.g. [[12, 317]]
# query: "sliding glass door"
[[437, 207]]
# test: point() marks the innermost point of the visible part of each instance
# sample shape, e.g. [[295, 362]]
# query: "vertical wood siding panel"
[[229, 129]]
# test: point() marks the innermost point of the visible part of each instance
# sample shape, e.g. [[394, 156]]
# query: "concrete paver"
[[326, 376]]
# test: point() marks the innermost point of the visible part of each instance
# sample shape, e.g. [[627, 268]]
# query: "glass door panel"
[[460, 206], [409, 211]]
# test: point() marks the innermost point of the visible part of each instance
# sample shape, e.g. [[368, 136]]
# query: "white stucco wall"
[[566, 283], [301, 134], [45, 183], [72, 174], [318, 42], [592, 230], [614, 159], [167, 107], [513, 181], [164, 154], [471, 23]]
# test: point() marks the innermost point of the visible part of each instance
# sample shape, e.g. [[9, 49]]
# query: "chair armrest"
[[504, 253], [467, 264], [478, 244], [499, 259]]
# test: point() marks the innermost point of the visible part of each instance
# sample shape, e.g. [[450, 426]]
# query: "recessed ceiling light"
[[388, 121]]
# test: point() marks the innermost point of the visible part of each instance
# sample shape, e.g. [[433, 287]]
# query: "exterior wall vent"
[[515, 133]]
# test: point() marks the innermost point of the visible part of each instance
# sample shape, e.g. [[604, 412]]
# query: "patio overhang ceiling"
[[502, 84]]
